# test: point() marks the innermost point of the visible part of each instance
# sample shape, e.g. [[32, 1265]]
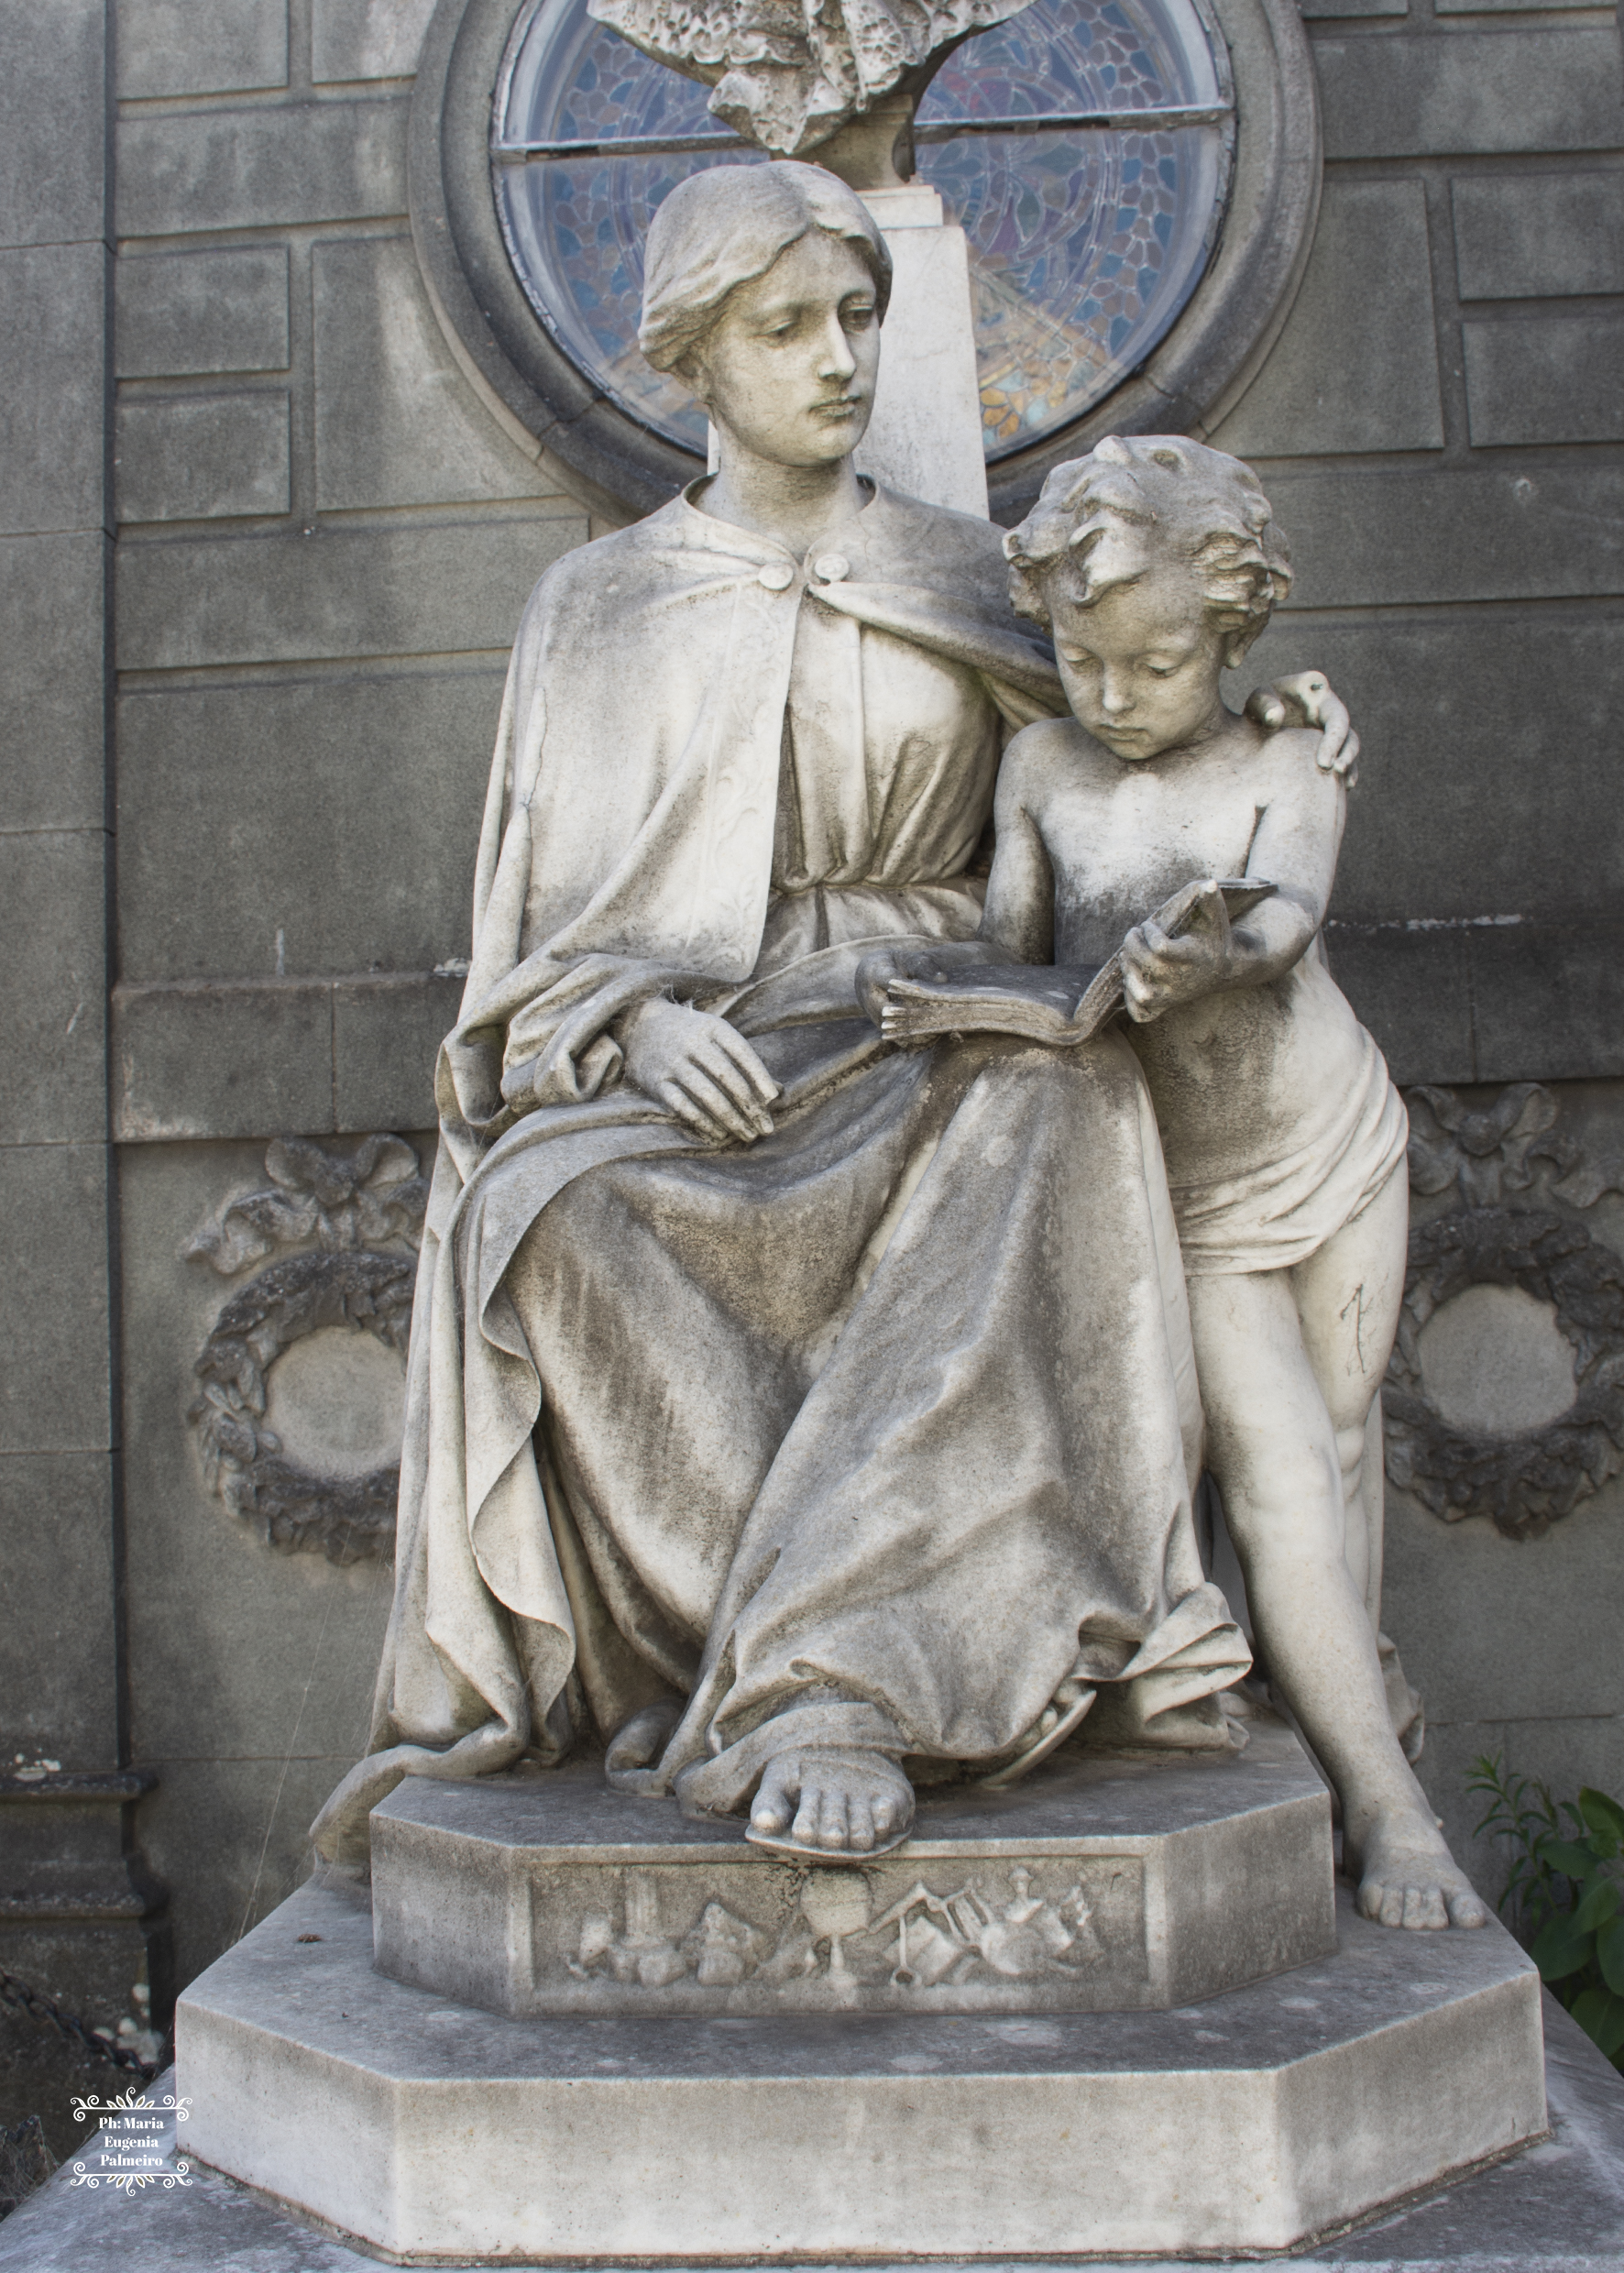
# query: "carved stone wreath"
[[1523, 1482], [336, 1200]]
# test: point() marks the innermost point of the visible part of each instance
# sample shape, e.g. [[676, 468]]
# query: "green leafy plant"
[[1563, 1896]]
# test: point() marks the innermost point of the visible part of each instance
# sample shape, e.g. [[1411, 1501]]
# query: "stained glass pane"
[[1083, 246]]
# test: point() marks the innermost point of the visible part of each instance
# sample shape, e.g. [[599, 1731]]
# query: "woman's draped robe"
[[878, 1430]]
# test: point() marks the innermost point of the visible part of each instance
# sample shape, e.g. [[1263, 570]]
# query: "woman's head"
[[1155, 563], [764, 289]]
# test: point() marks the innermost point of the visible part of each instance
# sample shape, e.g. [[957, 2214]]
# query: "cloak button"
[[777, 576], [832, 567]]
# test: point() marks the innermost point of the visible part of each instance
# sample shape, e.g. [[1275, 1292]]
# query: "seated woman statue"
[[794, 1415]]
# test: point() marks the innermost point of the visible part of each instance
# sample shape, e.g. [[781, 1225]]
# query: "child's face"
[[1141, 667]]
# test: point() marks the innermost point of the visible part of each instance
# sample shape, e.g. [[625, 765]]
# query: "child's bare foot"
[[829, 1801], [1407, 1877]]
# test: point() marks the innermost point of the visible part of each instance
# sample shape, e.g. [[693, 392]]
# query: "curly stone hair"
[[1108, 518]]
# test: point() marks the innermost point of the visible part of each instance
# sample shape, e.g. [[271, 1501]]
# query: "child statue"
[[1155, 562]]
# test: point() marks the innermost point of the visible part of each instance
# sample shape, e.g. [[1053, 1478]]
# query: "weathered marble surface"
[[789, 86], [866, 1422], [1103, 1883], [924, 437], [1249, 2122], [1557, 2207]]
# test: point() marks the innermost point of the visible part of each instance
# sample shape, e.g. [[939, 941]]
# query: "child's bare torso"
[[1239, 1077]]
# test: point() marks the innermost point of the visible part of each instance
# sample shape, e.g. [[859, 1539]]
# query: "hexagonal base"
[[431, 2131], [1101, 1884]]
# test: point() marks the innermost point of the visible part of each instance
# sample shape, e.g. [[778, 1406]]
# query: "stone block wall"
[[324, 546], [75, 1921], [1438, 428], [251, 494]]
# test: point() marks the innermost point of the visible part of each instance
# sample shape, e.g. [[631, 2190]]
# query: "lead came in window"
[[1084, 244]]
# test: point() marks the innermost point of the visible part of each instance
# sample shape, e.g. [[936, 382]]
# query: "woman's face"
[[789, 367]]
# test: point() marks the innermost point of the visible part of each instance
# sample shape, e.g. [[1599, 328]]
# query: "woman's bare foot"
[[830, 1801], [1407, 1877]]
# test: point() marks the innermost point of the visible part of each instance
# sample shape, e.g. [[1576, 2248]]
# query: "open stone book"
[[1052, 1003]]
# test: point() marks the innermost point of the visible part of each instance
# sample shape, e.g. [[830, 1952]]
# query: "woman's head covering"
[[721, 228]]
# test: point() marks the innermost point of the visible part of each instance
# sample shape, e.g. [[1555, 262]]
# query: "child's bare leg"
[[1348, 1296], [1369, 1505], [1405, 1709], [1347, 1299], [1273, 1446]]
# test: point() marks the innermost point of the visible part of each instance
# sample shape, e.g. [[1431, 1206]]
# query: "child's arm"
[[1300, 815], [1019, 915]]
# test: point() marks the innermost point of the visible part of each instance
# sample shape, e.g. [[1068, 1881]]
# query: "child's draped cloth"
[[936, 1318]]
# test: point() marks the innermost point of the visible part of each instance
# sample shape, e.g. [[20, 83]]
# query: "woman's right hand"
[[876, 974], [1309, 699], [700, 1069]]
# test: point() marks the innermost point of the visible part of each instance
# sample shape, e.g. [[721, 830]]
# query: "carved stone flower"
[[340, 1199], [1481, 1147]]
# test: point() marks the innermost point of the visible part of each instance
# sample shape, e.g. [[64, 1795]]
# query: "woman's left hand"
[[1159, 973], [700, 1069], [1309, 699]]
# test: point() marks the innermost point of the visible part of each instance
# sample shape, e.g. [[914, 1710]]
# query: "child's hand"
[[1159, 973]]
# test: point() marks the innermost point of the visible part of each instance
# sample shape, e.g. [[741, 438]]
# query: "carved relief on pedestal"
[[1504, 1396], [303, 1379], [837, 1934]]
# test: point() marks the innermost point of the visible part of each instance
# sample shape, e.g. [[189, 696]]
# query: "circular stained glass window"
[[1084, 244]]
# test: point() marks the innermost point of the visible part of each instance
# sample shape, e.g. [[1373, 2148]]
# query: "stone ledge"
[[230, 168], [429, 2131], [436, 587], [201, 313], [1422, 535], [80, 1901], [116, 1785], [1555, 380], [1493, 1001], [228, 1057], [1552, 2208]]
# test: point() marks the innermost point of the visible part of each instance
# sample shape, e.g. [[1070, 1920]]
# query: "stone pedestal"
[[924, 438], [705, 2054], [1098, 1884], [431, 2130]]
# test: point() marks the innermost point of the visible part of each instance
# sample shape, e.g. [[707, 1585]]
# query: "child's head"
[[1155, 563]]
